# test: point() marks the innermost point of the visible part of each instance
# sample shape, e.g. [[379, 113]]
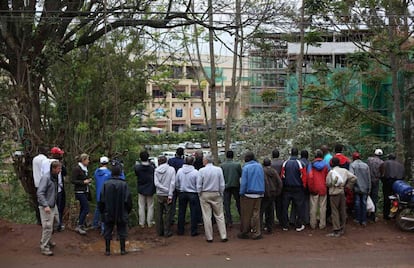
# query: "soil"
[[379, 244]]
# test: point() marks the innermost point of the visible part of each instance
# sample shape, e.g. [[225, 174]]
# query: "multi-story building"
[[180, 107]]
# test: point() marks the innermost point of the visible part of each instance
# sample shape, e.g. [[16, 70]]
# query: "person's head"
[[275, 153], [248, 156], [378, 152], [356, 156], [294, 151], [208, 160], [42, 149], [198, 154], [267, 162], [318, 153], [392, 156], [116, 171], [55, 167], [56, 153], [339, 148], [335, 162], [84, 159], [179, 152], [325, 149], [103, 160], [230, 154], [162, 160], [144, 156], [304, 154], [189, 160]]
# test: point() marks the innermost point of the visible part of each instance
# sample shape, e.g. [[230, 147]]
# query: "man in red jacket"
[[317, 173]]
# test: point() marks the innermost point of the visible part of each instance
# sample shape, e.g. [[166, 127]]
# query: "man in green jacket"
[[232, 173]]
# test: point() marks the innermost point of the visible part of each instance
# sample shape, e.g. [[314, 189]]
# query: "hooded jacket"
[[164, 180], [101, 175], [145, 178], [293, 173], [186, 179], [317, 173]]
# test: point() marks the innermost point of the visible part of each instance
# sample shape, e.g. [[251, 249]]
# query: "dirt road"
[[378, 245]]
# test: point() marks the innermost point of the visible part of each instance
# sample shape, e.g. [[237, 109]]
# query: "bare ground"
[[379, 244]]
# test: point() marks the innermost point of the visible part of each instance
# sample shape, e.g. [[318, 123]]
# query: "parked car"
[[205, 144], [197, 145], [189, 145]]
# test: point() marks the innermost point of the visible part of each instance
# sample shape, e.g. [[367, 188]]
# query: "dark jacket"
[[293, 173], [115, 201], [78, 177], [392, 170], [273, 183], [277, 165], [176, 163], [145, 178]]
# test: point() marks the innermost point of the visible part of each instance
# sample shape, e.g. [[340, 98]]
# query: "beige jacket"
[[338, 178]]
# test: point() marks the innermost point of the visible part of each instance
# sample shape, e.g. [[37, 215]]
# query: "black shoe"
[[224, 240], [194, 234], [242, 236], [209, 241]]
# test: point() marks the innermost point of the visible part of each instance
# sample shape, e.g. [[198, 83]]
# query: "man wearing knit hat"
[[374, 163]]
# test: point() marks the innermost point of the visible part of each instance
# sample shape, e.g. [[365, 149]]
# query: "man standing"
[[294, 183], [102, 174], [336, 181], [210, 188], [374, 163], [176, 162], [164, 180], [57, 154], [46, 196], [115, 204], [277, 164], [251, 192], [391, 171], [327, 156], [186, 185], [361, 189], [232, 172], [146, 189], [343, 160], [37, 175], [318, 171]]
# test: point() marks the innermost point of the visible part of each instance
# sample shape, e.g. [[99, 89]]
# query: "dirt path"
[[378, 245]]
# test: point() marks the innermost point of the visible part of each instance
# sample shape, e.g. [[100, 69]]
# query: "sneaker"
[[46, 252], [224, 240], [300, 229], [80, 230], [285, 229], [61, 228], [333, 234], [52, 244]]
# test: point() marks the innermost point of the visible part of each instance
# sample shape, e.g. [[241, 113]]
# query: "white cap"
[[378, 152], [104, 160]]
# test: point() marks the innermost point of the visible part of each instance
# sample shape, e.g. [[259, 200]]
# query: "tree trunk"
[[299, 62]]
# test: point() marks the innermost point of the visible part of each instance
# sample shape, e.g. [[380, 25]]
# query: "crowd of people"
[[292, 193]]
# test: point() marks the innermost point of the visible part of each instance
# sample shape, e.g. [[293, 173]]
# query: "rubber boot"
[[122, 243], [107, 247]]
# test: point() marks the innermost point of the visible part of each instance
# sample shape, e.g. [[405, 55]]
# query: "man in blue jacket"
[[251, 192]]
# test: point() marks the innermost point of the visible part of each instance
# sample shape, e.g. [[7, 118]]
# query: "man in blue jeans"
[[361, 188], [186, 185]]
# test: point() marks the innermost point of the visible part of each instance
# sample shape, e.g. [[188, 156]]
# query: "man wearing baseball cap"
[[101, 175], [374, 163]]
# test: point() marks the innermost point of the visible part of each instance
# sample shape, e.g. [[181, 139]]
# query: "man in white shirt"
[[37, 174], [210, 188]]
